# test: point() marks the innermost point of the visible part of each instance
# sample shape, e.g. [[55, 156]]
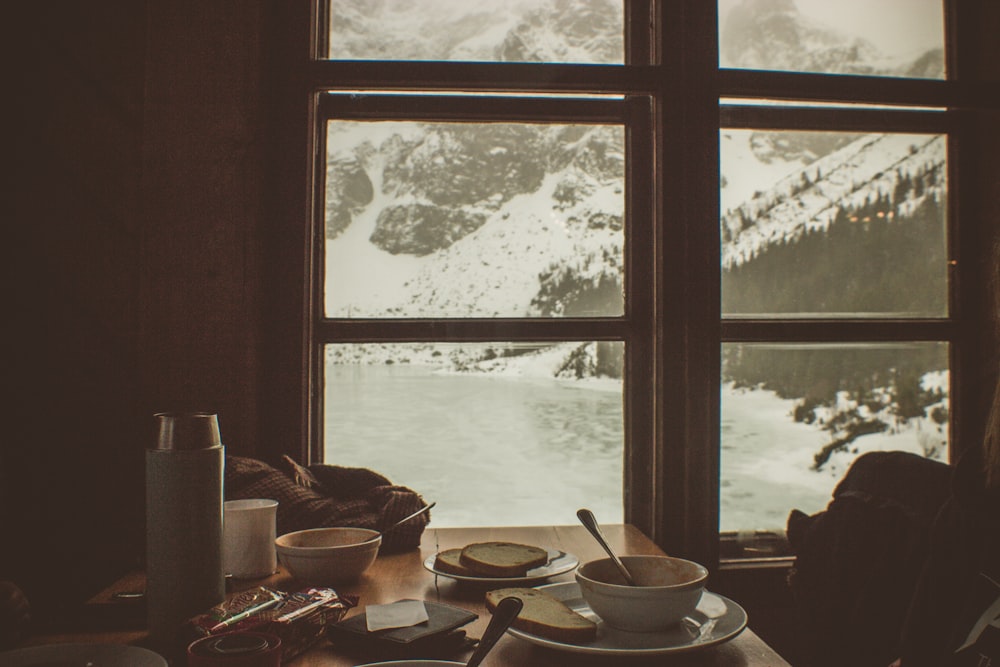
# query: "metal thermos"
[[184, 503]]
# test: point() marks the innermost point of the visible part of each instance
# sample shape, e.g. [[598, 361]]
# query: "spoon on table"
[[586, 517], [505, 613], [400, 522]]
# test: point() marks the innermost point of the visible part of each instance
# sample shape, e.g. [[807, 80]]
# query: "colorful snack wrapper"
[[299, 618]]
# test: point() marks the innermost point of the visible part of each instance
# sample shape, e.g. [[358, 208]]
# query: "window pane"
[[900, 38], [833, 224], [535, 426], [552, 31], [795, 416], [474, 220]]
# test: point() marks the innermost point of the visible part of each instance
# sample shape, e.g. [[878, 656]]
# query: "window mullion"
[[481, 77], [854, 89], [640, 33], [840, 119], [687, 510], [444, 107], [471, 330], [643, 277]]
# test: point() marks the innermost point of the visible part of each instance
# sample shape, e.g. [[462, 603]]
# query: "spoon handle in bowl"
[[586, 517], [505, 613], [401, 522], [407, 518]]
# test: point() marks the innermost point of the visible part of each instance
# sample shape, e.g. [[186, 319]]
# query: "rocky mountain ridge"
[[536, 210]]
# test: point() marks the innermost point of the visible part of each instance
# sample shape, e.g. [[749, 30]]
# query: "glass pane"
[[833, 224], [794, 417], [474, 220], [537, 427], [900, 38], [549, 31]]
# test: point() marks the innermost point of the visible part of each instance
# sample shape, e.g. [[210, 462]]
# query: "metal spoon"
[[505, 613], [587, 519], [401, 522]]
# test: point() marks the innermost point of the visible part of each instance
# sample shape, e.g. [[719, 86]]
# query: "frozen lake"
[[502, 451]]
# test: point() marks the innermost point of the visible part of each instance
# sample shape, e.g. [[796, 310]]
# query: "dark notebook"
[[438, 636]]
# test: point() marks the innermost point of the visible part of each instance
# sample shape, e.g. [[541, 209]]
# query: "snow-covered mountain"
[[775, 35], [521, 220], [578, 31], [473, 220], [868, 168], [515, 220]]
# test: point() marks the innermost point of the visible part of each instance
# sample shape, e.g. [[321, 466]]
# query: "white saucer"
[[560, 562], [717, 619], [100, 655]]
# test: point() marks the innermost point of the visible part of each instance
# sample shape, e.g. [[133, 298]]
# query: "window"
[[617, 255], [481, 241]]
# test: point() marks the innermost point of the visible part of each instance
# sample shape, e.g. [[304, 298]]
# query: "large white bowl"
[[326, 556], [667, 590]]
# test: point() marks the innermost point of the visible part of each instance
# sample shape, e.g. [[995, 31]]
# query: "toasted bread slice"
[[448, 561], [546, 616], [502, 559]]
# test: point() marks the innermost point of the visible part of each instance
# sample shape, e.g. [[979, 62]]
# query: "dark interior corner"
[[132, 266], [72, 446]]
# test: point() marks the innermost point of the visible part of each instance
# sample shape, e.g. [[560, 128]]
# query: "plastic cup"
[[248, 534]]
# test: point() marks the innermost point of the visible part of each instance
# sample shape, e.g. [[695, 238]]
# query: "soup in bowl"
[[667, 589]]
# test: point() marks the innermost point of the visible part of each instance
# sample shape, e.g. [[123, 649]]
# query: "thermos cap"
[[187, 430]]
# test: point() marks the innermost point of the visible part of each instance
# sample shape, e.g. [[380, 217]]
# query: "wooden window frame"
[[672, 478]]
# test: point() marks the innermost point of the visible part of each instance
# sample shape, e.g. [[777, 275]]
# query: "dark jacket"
[[954, 617], [858, 561]]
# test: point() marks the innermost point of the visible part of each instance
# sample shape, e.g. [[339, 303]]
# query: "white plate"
[[560, 562], [98, 655], [716, 620]]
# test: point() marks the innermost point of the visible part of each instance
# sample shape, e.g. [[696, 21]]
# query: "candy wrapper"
[[298, 618]]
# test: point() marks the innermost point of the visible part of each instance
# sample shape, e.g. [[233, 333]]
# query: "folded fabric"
[[321, 495]]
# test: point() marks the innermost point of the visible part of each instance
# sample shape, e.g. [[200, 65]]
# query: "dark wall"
[[203, 143], [71, 442], [130, 273]]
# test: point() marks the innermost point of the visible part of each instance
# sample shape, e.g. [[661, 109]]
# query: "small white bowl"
[[325, 556], [668, 590]]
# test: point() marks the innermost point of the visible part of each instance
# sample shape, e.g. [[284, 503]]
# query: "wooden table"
[[398, 576]]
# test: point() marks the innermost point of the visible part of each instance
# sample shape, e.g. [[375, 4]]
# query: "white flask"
[[184, 510]]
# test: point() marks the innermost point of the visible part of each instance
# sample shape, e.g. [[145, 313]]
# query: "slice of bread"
[[502, 559], [546, 616], [449, 561]]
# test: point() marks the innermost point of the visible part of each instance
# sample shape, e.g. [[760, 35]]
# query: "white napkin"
[[400, 614]]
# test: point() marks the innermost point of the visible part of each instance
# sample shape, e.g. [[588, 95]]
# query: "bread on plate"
[[546, 616], [449, 562], [502, 559]]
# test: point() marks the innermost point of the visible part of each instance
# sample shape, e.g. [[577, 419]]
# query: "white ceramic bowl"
[[668, 590], [325, 556]]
